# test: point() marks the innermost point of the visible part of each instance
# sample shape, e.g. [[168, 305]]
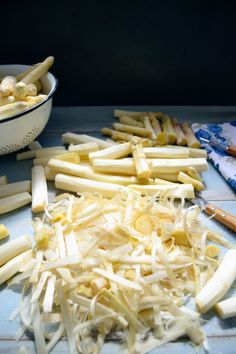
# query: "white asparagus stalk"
[[20, 91], [191, 139], [119, 113], [50, 174], [68, 156], [160, 135], [57, 166], [148, 126], [6, 100], [35, 145], [140, 162], [184, 178], [12, 267], [226, 308], [72, 138], [166, 153], [39, 189], [7, 86], [40, 152], [3, 231], [15, 188], [14, 247], [122, 166], [160, 181], [192, 172], [50, 151], [113, 152], [14, 202], [116, 135], [178, 165], [133, 130], [12, 109], [20, 76], [219, 284], [33, 100], [184, 190], [78, 185], [193, 152], [38, 71], [3, 180], [84, 149], [168, 129], [31, 90], [112, 141], [173, 177], [130, 121], [181, 138]]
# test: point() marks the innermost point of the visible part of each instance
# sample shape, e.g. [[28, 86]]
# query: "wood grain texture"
[[222, 334], [221, 215]]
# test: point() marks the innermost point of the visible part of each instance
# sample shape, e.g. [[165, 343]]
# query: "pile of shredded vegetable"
[[121, 268]]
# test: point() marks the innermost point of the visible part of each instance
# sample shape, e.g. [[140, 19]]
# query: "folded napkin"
[[226, 134]]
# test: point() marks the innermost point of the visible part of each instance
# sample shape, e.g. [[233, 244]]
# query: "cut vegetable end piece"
[[39, 189], [14, 202], [3, 231]]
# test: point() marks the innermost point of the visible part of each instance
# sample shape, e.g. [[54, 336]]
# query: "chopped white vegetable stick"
[[26, 155], [76, 184], [162, 181], [14, 188], [119, 112], [132, 130], [60, 240], [113, 152], [186, 190], [122, 166], [112, 141], [44, 151], [72, 138], [3, 180], [130, 121], [14, 247], [226, 308], [117, 279], [14, 202], [49, 173], [178, 165], [39, 287], [185, 178], [84, 149], [192, 172], [50, 151], [219, 283], [166, 153], [87, 172], [192, 141], [193, 152], [173, 177], [181, 138], [12, 267], [43, 161], [35, 145], [148, 126], [140, 162], [39, 189]]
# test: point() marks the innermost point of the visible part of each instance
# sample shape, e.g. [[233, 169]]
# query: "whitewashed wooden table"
[[89, 120]]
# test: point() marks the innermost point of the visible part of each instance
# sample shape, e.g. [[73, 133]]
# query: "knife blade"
[[218, 214], [230, 149]]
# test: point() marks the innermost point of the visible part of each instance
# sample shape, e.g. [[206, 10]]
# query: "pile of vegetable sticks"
[[159, 129]]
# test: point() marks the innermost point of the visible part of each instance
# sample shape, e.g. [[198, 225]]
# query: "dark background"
[[127, 52]]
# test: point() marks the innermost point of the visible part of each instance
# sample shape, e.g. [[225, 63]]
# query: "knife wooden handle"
[[231, 150], [222, 216]]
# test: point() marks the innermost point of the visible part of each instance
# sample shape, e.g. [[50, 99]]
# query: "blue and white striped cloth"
[[226, 134]]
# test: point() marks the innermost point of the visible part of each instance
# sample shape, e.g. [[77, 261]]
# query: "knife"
[[230, 149], [220, 215]]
